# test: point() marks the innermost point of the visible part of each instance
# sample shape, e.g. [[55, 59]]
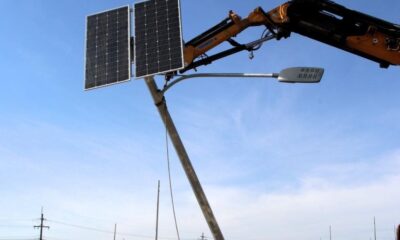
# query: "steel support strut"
[[161, 105]]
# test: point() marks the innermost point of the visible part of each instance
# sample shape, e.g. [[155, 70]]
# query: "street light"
[[288, 75], [301, 75]]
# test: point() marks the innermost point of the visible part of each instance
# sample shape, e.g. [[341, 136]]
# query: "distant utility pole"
[[41, 226], [158, 208], [115, 231], [374, 229], [202, 237], [330, 232]]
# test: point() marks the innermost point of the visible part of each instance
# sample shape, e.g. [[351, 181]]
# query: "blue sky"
[[277, 161]]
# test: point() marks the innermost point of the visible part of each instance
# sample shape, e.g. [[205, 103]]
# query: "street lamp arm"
[[288, 75], [219, 75]]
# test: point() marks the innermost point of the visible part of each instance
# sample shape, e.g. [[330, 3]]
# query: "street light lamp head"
[[301, 75]]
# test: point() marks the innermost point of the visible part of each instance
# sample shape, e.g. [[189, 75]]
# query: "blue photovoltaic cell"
[[108, 48], [158, 37]]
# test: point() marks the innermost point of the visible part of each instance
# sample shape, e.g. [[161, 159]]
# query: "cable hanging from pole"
[[169, 174]]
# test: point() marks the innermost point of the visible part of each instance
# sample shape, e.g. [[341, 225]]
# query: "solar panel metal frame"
[[181, 37], [129, 49]]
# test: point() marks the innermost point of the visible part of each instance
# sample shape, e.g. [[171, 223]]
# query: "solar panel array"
[[158, 43], [108, 58]]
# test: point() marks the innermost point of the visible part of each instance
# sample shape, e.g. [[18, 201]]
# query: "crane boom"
[[321, 20], [349, 30]]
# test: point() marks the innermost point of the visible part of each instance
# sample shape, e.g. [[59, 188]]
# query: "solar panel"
[[108, 59], [158, 37]]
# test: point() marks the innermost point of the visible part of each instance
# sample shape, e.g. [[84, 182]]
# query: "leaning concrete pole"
[[161, 105]]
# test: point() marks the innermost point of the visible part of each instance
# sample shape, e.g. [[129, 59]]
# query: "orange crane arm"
[[349, 30], [227, 29], [322, 20]]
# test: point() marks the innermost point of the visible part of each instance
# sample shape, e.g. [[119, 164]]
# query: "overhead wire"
[[56, 238], [95, 229], [14, 226], [81, 227], [169, 174], [17, 219], [19, 238]]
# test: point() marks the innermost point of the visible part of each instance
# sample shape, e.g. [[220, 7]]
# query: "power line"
[[18, 238], [82, 227], [14, 226], [17, 219], [56, 238], [110, 232]]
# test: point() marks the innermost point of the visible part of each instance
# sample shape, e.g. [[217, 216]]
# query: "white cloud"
[[253, 213], [267, 171], [307, 212]]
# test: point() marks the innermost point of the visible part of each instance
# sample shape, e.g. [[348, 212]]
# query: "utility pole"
[[374, 229], [158, 208], [202, 237], [330, 232], [115, 231], [41, 226]]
